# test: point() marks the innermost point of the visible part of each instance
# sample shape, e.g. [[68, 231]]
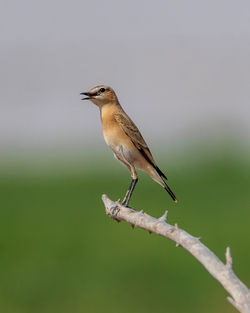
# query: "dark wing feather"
[[134, 134]]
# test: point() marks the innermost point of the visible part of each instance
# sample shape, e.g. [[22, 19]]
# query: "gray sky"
[[181, 69]]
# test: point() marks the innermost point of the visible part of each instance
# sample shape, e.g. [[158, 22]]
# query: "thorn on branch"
[[118, 203], [164, 217], [177, 244], [229, 260], [132, 225], [176, 227]]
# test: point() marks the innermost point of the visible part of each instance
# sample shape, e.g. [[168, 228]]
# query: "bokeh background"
[[181, 70]]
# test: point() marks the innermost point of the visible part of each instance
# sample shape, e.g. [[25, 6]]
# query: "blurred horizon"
[[186, 154]]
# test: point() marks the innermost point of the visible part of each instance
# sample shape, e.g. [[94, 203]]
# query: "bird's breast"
[[113, 137], [113, 134]]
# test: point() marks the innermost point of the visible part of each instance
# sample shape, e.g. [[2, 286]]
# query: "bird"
[[125, 139]]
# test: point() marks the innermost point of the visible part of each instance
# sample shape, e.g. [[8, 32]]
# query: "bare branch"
[[240, 294]]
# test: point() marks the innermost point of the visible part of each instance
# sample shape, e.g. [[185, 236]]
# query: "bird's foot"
[[114, 210], [124, 203]]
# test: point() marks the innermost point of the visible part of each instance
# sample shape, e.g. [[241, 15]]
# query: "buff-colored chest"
[[113, 134]]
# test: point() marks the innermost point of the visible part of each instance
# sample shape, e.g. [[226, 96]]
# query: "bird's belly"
[[122, 147], [111, 141]]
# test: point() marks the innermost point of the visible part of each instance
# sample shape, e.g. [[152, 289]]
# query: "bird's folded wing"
[[130, 129]]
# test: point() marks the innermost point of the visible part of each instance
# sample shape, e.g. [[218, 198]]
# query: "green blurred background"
[[61, 253]]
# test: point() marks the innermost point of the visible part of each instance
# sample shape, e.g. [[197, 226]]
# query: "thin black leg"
[[125, 202]]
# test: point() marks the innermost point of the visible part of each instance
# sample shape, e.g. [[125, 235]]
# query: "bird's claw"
[[124, 203], [114, 210]]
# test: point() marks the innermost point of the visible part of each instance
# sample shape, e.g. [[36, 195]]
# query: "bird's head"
[[100, 95]]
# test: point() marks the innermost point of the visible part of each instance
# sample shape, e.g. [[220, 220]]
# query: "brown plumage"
[[124, 138]]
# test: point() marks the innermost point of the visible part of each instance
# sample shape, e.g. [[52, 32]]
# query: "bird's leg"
[[128, 195]]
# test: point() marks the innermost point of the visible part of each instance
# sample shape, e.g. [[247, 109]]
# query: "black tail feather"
[[170, 192], [160, 172]]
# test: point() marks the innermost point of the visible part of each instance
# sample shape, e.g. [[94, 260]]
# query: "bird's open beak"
[[85, 94]]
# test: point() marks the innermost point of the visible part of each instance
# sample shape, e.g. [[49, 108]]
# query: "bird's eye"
[[102, 90]]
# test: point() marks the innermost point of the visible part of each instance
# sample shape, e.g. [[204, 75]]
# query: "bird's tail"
[[164, 185], [157, 176], [170, 192]]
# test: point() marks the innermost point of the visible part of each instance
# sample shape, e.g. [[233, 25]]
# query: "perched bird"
[[124, 138]]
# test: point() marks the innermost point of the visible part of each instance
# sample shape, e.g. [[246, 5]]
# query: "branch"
[[240, 294]]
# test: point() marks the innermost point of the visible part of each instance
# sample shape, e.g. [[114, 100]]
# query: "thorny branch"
[[240, 294]]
